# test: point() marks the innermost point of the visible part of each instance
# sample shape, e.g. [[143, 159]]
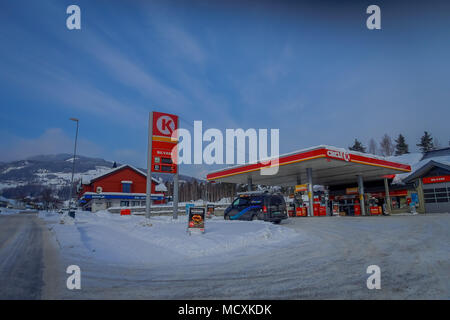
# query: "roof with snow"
[[419, 160], [108, 172], [425, 169], [436, 153], [330, 166]]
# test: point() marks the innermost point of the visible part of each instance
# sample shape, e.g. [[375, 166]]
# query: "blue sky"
[[311, 69]]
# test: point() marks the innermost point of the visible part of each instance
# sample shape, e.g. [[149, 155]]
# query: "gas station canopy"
[[329, 166]]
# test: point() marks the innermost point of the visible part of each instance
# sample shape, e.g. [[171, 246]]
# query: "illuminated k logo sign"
[[165, 125]]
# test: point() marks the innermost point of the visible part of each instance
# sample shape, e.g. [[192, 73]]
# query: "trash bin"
[[125, 212]]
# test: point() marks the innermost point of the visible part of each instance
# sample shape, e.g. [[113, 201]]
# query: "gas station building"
[[354, 183]]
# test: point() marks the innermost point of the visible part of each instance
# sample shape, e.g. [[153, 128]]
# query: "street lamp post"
[[73, 164]]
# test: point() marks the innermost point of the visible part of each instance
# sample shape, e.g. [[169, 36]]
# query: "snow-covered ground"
[[325, 258], [128, 240], [7, 211]]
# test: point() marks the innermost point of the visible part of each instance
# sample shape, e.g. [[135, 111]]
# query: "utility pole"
[[176, 184], [73, 162]]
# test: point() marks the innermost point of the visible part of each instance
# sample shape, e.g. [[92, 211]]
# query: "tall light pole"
[[73, 160]]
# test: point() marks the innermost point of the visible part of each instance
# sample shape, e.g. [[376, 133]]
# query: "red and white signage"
[[341, 155], [164, 124], [393, 193], [438, 179], [164, 143], [307, 155]]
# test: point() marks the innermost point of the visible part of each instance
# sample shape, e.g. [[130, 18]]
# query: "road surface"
[[413, 253], [29, 264]]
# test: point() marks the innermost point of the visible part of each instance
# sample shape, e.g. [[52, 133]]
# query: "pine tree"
[[426, 142], [358, 146], [401, 146]]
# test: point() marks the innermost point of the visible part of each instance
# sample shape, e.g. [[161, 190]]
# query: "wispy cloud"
[[182, 44], [51, 141]]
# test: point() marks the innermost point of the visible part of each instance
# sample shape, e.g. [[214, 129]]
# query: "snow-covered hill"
[[55, 171], [50, 170]]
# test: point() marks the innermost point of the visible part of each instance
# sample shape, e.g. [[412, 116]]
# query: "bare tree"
[[437, 144], [373, 148], [386, 146]]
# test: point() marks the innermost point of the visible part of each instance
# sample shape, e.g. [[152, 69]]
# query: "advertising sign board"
[[196, 220], [301, 187]]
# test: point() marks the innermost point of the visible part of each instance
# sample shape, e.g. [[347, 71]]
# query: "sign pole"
[[175, 186], [148, 201]]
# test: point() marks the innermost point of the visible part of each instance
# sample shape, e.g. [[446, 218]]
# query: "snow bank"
[[6, 211], [127, 240]]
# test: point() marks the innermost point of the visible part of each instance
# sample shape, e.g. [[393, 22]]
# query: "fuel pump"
[[374, 207], [320, 205], [299, 203], [300, 206], [334, 205]]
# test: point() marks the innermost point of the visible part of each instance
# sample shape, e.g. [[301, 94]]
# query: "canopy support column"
[[361, 195], [249, 184], [388, 197], [310, 192]]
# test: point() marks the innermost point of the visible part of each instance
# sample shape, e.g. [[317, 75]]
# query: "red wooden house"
[[124, 186]]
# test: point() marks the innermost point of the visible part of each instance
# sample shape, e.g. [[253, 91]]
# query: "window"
[[241, 201], [275, 201], [124, 203], [433, 195], [126, 187]]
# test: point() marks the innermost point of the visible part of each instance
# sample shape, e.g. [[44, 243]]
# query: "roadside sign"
[[196, 220], [164, 143], [162, 153]]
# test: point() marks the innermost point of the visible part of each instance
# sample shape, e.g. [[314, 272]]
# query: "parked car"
[[257, 206]]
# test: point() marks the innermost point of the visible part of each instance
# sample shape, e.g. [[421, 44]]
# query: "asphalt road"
[[413, 253], [28, 259]]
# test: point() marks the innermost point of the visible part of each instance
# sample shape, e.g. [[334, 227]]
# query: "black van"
[[257, 206]]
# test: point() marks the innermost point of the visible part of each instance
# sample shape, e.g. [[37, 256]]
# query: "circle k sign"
[[164, 124], [339, 154]]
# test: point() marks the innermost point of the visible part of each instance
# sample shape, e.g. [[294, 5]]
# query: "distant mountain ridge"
[[55, 170]]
